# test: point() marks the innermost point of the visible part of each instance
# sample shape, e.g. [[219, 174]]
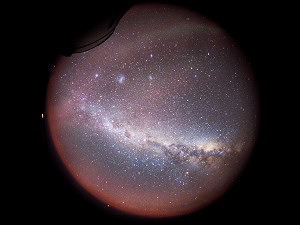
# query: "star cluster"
[[159, 119]]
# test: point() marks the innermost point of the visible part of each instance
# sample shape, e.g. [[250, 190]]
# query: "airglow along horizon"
[[160, 119]]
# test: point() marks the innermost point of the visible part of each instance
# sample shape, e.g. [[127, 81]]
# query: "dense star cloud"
[[159, 119]]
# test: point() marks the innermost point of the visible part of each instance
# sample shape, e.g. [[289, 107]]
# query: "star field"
[[160, 118]]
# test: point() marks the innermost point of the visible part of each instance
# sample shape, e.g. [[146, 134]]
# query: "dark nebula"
[[161, 118]]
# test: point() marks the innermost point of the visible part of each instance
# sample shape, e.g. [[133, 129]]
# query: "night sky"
[[159, 119]]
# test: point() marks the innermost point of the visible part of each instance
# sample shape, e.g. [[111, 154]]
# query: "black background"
[[39, 189]]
